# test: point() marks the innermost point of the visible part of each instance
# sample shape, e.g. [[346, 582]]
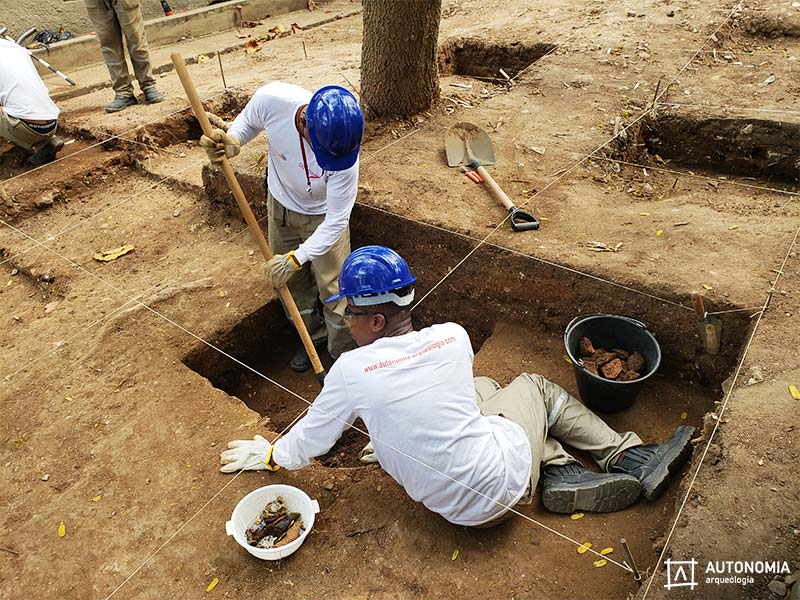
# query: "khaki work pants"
[[318, 278], [15, 131], [548, 413], [112, 19]]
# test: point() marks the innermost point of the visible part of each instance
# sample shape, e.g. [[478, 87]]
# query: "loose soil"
[[114, 412]]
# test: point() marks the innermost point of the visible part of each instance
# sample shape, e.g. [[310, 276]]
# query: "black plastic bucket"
[[610, 331]]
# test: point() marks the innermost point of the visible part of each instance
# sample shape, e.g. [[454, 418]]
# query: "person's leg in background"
[[129, 15], [285, 233], [109, 34], [327, 269], [37, 137]]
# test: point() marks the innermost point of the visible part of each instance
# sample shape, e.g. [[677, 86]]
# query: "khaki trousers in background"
[[319, 278], [112, 19], [548, 413], [15, 130]]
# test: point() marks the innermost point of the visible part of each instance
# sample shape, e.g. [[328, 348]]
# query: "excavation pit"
[[763, 149], [477, 58], [515, 310]]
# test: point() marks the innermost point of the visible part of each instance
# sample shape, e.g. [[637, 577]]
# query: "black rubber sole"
[[679, 450], [113, 110], [611, 493]]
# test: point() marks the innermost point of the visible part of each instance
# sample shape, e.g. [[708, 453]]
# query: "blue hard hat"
[[335, 125], [371, 275]]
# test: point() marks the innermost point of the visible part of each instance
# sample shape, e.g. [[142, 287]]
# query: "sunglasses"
[[350, 314]]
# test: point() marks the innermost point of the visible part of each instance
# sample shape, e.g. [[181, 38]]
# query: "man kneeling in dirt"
[[28, 117], [468, 449]]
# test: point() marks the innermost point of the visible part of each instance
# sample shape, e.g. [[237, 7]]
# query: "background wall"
[[21, 15]]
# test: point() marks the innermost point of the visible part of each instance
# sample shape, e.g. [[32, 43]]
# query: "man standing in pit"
[[112, 19], [313, 143], [28, 117], [465, 447]]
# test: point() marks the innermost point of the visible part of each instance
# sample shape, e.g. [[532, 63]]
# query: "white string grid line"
[[276, 382], [716, 180], [88, 327], [718, 420], [309, 403], [81, 332], [111, 138], [582, 160], [85, 220], [303, 399]]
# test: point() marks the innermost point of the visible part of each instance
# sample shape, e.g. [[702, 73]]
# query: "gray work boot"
[[46, 153], [567, 488], [152, 95], [653, 464], [120, 102]]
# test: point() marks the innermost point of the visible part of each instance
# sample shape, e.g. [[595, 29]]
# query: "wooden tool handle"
[[699, 309], [247, 213], [496, 189]]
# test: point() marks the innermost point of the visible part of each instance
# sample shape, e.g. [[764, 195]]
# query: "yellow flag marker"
[[660, 232], [684, 414], [605, 551], [707, 287], [576, 516], [566, 358], [794, 392], [221, 293], [454, 555], [97, 499], [600, 563], [584, 547], [213, 584], [62, 529], [732, 227]]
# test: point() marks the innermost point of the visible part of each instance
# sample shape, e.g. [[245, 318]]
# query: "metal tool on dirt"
[[637, 577], [467, 145], [247, 213], [19, 42], [710, 327]]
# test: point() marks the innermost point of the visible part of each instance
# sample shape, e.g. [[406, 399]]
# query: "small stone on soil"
[[636, 362], [612, 369], [777, 587], [601, 357], [46, 476]]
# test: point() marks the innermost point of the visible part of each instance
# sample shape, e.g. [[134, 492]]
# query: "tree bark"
[[399, 75]]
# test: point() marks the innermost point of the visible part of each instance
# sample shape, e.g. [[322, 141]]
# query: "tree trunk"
[[399, 75]]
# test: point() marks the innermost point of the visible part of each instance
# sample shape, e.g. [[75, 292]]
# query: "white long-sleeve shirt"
[[23, 94], [416, 394], [333, 193]]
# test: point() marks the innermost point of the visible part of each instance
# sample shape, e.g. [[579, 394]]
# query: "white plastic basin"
[[250, 507]]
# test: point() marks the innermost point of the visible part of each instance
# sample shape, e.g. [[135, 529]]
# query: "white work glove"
[[220, 144], [367, 454], [217, 121], [250, 455], [281, 268]]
